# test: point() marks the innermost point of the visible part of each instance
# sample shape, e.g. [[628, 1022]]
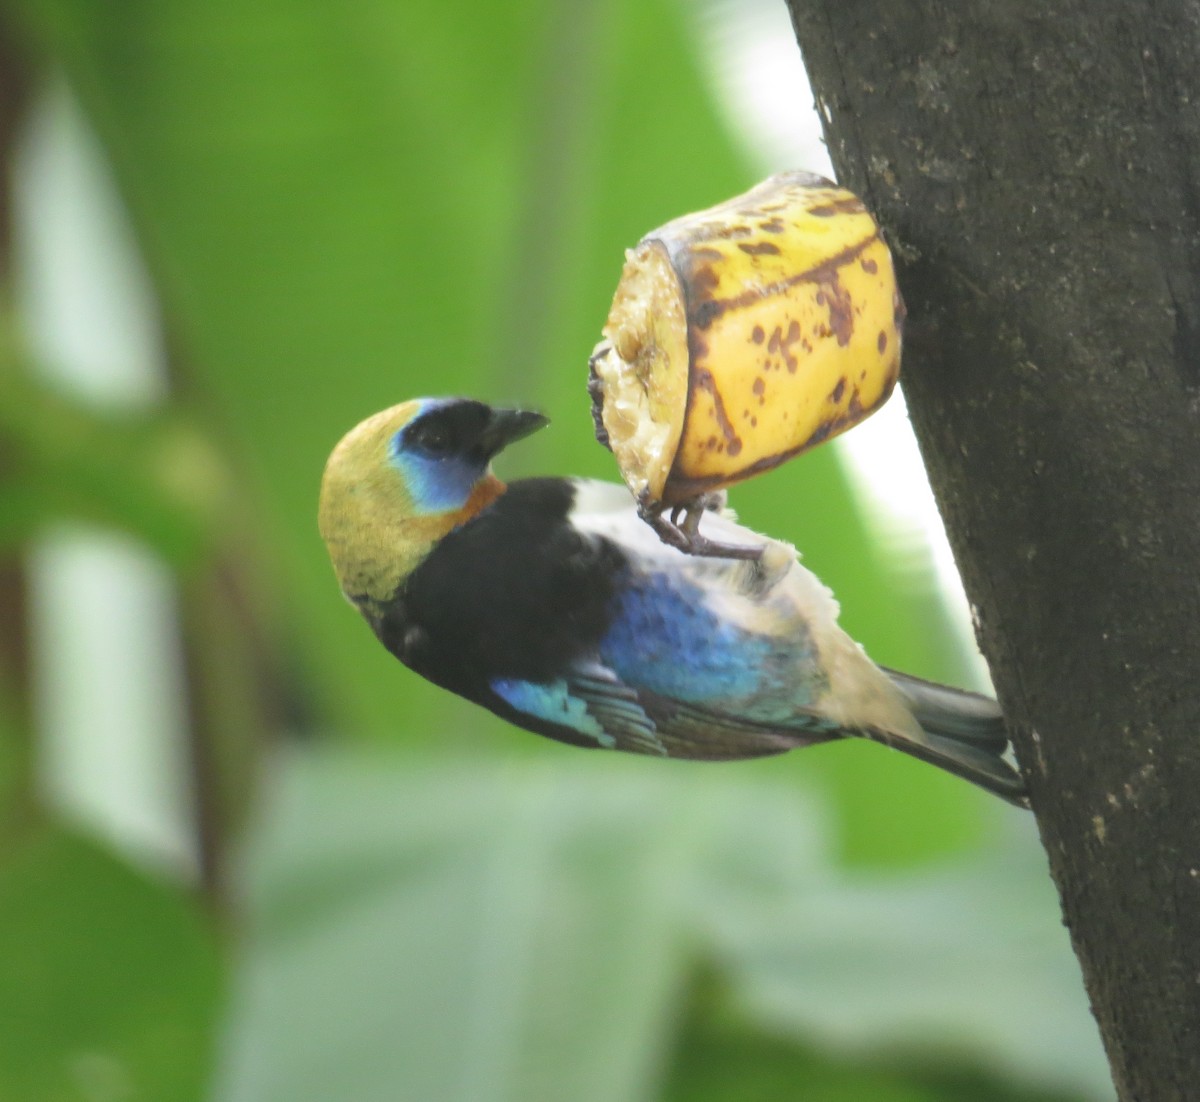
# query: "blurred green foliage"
[[344, 206], [109, 980], [538, 932]]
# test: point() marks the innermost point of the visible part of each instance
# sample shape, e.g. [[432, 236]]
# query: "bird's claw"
[[686, 536]]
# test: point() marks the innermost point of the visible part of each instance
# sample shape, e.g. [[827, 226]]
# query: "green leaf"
[[966, 965], [109, 980], [535, 932], [722, 1058]]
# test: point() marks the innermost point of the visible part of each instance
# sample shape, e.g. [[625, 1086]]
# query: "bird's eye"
[[431, 437]]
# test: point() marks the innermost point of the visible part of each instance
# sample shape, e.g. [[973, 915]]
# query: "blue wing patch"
[[592, 702], [618, 709], [553, 702]]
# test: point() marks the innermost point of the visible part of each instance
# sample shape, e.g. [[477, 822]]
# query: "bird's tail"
[[964, 734]]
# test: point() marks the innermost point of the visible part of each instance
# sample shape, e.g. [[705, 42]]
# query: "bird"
[[550, 603]]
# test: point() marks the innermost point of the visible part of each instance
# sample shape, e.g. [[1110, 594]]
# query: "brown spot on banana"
[[834, 297], [759, 248], [852, 204]]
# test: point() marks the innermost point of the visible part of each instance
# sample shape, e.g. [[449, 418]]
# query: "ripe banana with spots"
[[740, 336]]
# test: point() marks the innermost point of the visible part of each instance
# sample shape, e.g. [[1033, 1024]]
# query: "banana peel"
[[739, 337]]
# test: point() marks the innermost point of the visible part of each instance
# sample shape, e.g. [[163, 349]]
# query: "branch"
[[1034, 165]]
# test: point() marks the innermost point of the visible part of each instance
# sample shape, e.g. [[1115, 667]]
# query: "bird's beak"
[[506, 425]]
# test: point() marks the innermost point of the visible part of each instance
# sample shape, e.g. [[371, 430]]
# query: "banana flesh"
[[742, 335]]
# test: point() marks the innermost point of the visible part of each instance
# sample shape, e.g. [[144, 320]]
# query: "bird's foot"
[[686, 535]]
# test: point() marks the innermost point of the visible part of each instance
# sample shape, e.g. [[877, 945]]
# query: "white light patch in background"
[[757, 72], [885, 466], [109, 687], [755, 67]]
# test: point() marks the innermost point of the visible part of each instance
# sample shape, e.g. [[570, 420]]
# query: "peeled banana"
[[742, 335]]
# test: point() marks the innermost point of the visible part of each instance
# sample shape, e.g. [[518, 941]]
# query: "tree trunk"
[[1036, 165]]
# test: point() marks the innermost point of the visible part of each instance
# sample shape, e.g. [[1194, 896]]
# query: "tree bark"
[[1036, 165]]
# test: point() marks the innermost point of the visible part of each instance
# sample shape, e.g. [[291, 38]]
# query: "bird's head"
[[404, 478]]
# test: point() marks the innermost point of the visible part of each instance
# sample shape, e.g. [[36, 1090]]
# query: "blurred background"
[[247, 857]]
